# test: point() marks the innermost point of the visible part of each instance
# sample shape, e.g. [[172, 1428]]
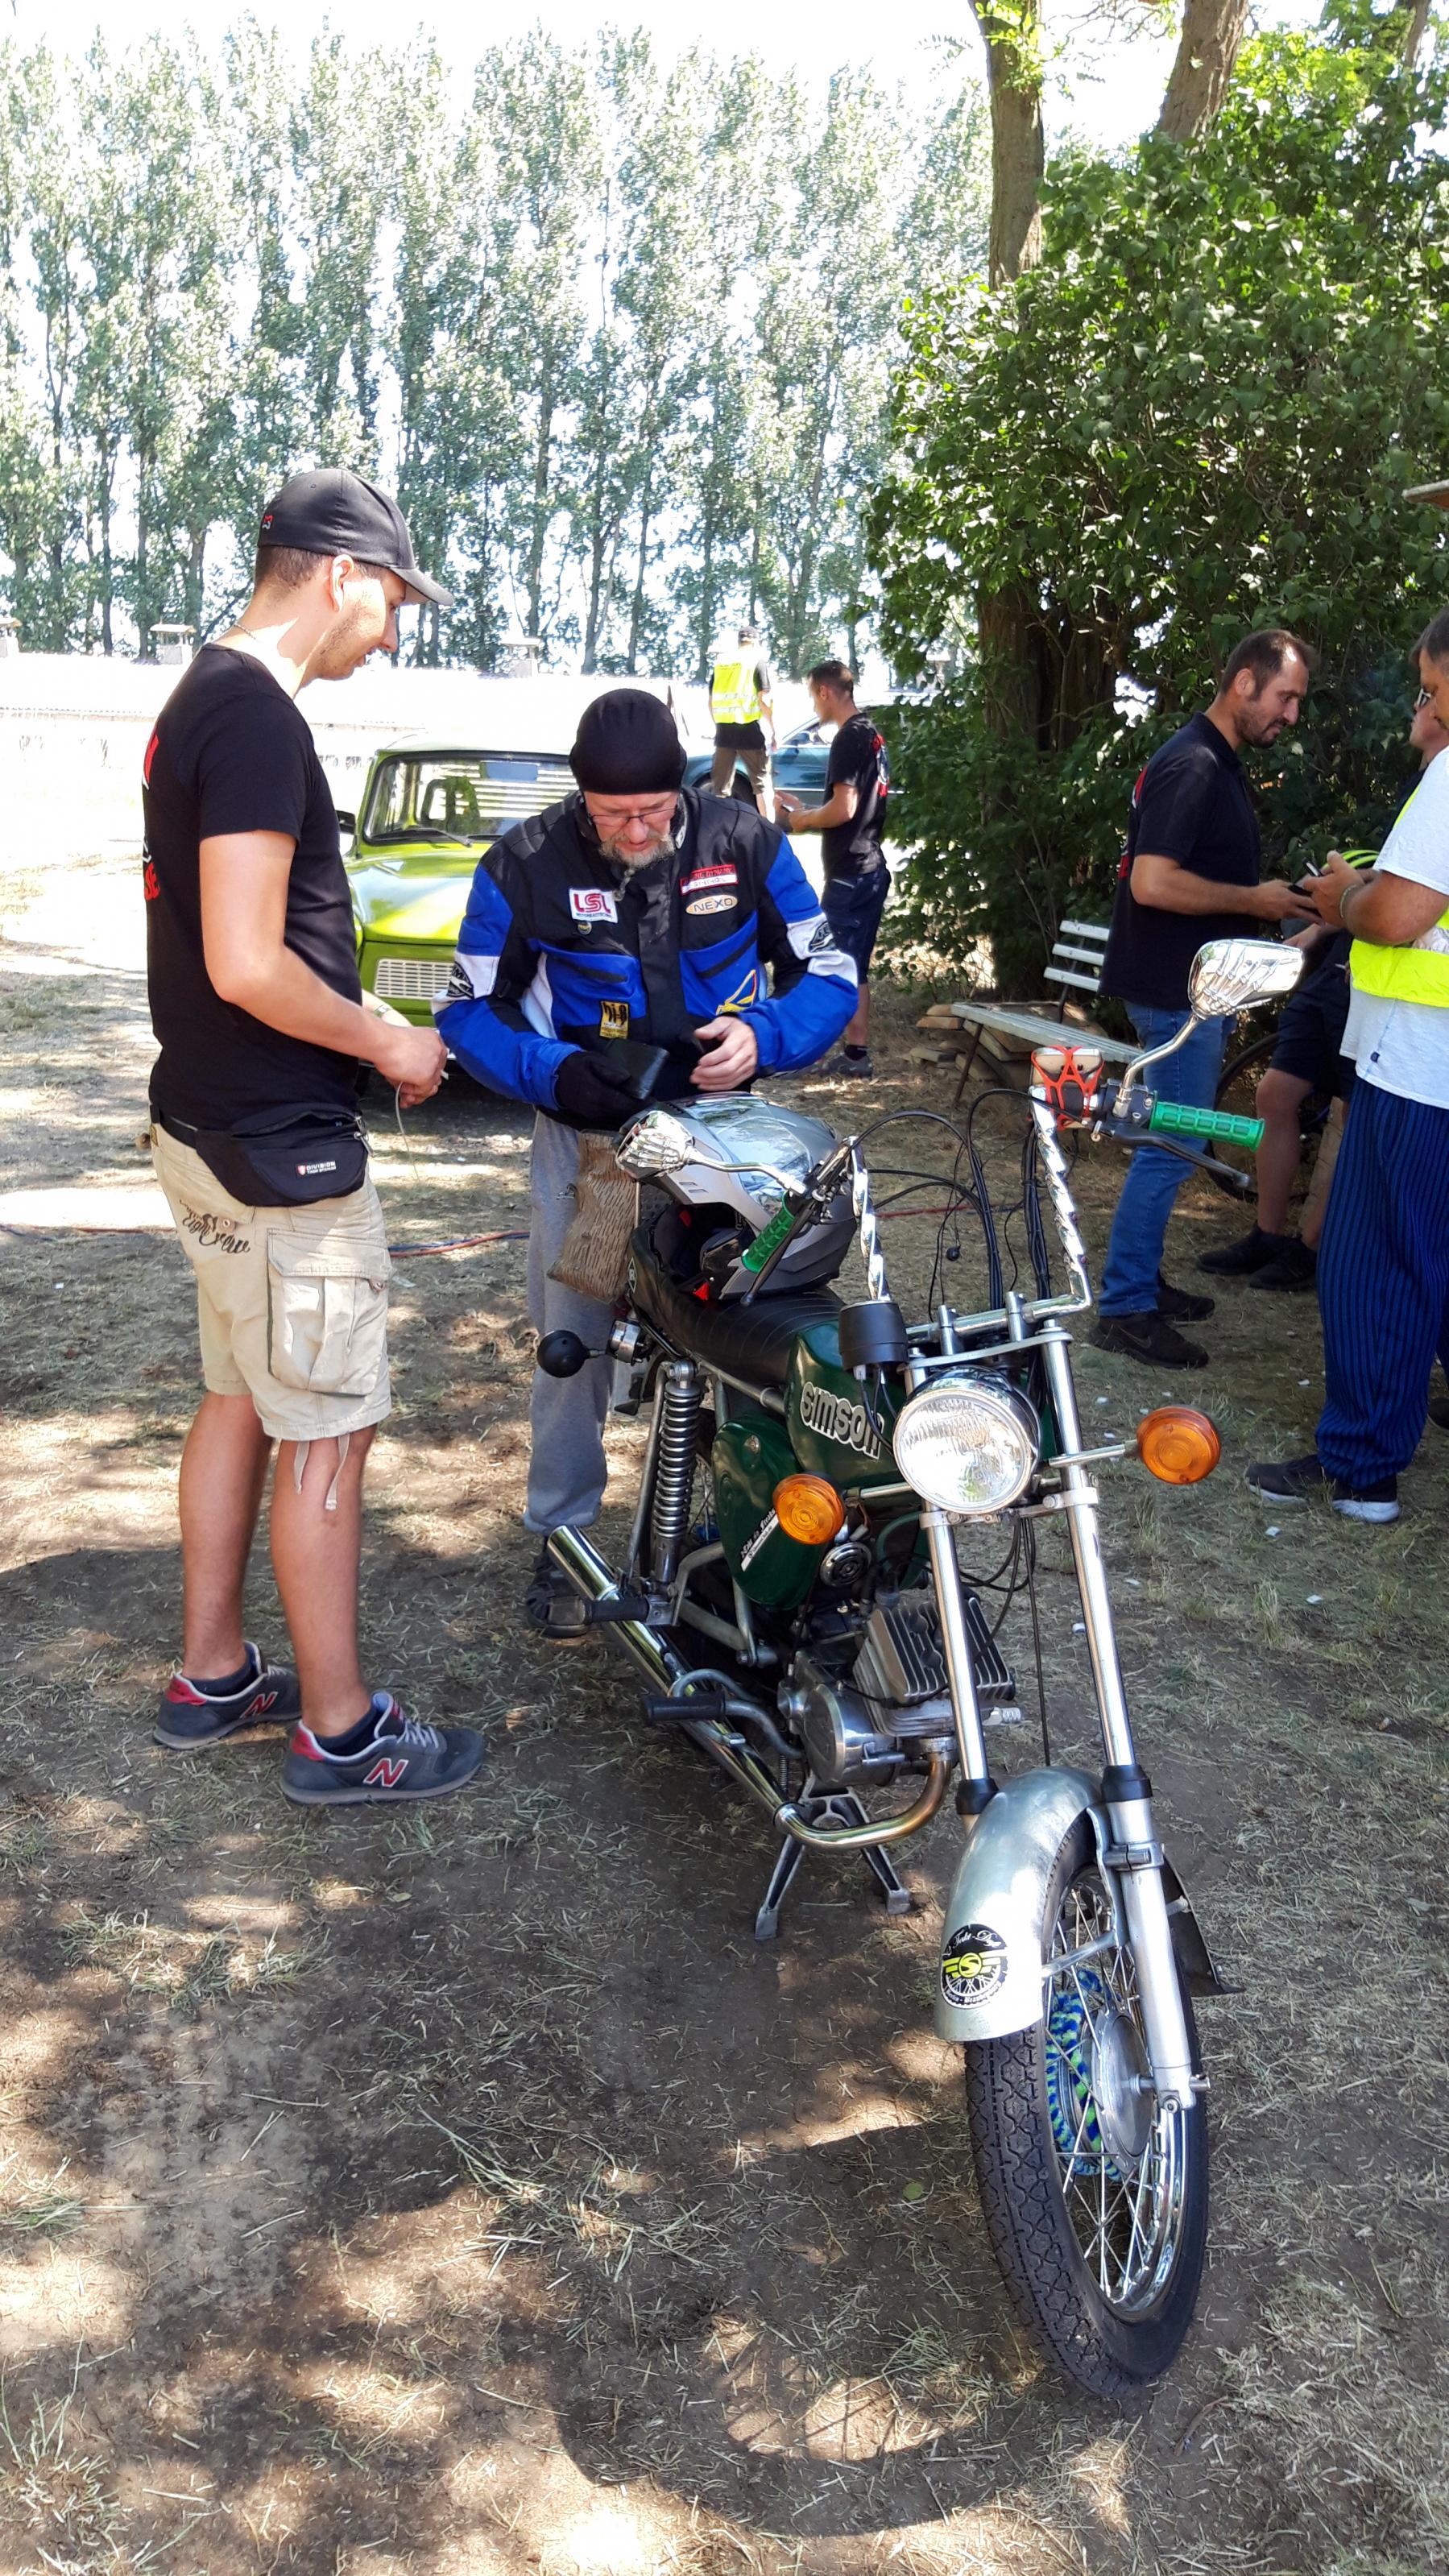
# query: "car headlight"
[[968, 1445]]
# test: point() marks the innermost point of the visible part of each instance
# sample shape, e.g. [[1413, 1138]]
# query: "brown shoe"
[[1148, 1338]]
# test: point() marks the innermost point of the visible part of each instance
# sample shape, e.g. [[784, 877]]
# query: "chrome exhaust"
[[591, 1578]]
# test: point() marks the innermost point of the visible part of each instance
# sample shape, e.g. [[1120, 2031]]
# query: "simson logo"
[[836, 1418]]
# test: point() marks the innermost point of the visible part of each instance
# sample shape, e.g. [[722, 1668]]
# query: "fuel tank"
[[831, 1429], [749, 1457]]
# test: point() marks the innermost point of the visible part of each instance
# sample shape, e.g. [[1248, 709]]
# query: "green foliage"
[[1199, 415], [620, 336]]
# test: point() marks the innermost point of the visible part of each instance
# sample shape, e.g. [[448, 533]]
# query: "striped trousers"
[[1383, 1283]]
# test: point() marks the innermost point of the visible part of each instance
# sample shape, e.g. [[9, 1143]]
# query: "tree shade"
[[1198, 415]]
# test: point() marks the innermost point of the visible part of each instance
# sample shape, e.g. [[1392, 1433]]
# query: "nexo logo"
[[836, 1418]]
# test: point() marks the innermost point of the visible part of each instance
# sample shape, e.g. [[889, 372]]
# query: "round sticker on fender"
[[973, 1964]]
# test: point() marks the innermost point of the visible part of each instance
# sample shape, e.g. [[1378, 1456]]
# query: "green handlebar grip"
[[1173, 1118]]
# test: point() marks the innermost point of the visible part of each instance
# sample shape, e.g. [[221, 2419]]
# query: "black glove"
[[591, 1092]]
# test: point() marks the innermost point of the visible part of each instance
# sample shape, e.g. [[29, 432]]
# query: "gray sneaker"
[[402, 1760], [850, 1068], [188, 1718]]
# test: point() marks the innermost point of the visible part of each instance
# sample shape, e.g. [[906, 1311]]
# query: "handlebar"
[[1174, 1118]]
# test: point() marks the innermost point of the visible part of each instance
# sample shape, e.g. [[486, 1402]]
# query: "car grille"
[[411, 979]]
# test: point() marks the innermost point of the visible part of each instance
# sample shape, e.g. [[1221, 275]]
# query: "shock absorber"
[[680, 1397]]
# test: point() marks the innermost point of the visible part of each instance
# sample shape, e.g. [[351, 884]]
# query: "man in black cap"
[[256, 1002], [636, 910]]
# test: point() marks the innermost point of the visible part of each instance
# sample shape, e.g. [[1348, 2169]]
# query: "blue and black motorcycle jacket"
[[561, 948]]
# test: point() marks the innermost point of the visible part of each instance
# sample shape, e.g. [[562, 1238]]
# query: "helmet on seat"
[[719, 1174]]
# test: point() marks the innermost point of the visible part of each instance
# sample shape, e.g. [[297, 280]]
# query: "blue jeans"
[[1139, 1228]]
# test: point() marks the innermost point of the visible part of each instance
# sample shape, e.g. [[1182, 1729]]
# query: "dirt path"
[[467, 2193]]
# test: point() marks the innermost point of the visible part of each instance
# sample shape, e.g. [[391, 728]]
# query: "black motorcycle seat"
[[751, 1342]]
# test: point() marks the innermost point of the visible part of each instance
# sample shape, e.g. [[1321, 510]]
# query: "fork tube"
[[1138, 1872], [1087, 1550], [976, 1783]]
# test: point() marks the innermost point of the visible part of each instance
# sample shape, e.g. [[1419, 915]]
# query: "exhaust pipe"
[[657, 1660]]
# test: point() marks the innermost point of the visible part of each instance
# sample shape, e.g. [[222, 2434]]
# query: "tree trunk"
[[641, 570], [1018, 144], [1207, 49]]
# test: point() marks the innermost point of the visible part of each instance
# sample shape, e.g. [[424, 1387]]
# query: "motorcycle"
[[794, 1598]]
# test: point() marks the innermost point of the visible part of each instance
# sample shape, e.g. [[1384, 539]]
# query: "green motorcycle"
[[794, 1598]]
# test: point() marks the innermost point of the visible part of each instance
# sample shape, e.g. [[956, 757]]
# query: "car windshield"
[[457, 795]]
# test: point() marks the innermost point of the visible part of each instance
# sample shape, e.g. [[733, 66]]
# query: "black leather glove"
[[591, 1092]]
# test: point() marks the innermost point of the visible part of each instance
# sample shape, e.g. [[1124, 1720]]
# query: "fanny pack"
[[282, 1158]]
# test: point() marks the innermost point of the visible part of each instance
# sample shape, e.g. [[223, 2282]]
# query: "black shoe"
[[188, 1718], [1299, 1478], [551, 1604], [1251, 1252], [401, 1760], [1179, 1306], [1294, 1268], [1148, 1338], [850, 1068], [1439, 1412]]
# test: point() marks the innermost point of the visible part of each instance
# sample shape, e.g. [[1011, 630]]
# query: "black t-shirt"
[[857, 756], [231, 753], [1191, 804]]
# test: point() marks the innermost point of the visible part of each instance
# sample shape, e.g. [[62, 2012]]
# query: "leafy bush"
[[1199, 415]]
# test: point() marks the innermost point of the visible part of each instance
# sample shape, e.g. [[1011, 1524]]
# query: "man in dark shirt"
[[850, 823], [256, 1002], [1190, 874]]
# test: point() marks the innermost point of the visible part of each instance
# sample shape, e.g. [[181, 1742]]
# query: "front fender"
[[990, 1982]]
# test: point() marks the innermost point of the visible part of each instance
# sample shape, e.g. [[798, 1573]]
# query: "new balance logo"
[[385, 1774], [259, 1707]]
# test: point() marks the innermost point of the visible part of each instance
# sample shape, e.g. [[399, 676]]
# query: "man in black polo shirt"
[[256, 1002], [850, 823], [1190, 874]]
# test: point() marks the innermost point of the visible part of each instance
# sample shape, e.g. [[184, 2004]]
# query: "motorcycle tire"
[[1062, 2165]]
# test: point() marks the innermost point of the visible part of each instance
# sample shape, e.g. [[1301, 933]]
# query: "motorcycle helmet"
[[715, 1157]]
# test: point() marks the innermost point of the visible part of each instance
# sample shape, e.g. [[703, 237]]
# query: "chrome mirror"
[[656, 1143], [1232, 974]]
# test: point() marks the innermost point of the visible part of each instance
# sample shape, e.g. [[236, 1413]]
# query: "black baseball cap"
[[328, 511]]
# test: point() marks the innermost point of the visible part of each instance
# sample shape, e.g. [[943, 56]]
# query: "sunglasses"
[[1424, 699]]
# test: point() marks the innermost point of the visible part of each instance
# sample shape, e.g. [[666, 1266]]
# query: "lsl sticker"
[[973, 1964], [592, 903]]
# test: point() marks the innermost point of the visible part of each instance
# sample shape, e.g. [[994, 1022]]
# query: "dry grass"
[[464, 2193]]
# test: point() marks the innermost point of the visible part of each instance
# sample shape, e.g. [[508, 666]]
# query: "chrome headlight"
[[968, 1445]]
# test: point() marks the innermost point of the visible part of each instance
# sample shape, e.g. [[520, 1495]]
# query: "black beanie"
[[627, 745]]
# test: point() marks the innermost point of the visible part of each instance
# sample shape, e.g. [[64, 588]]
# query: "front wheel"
[[1096, 2201]]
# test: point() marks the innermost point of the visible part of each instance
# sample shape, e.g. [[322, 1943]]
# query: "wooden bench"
[[1010, 1033]]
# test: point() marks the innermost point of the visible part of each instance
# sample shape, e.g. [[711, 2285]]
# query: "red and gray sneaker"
[[189, 1717], [400, 1759]]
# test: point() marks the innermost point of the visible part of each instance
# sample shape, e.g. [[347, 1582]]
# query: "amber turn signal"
[[1178, 1444], [809, 1509]]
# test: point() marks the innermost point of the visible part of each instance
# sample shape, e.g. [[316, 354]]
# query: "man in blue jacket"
[[634, 910]]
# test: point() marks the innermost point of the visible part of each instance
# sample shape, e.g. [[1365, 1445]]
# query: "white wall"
[[74, 728]]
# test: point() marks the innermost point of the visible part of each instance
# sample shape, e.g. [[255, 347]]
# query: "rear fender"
[[990, 1981]]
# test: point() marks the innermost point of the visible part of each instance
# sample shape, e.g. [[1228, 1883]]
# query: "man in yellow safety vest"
[[1383, 1266], [741, 692]]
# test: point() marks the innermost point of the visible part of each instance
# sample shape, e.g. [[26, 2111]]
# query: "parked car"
[[798, 764], [428, 810]]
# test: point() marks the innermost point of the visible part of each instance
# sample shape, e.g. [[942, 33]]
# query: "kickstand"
[[840, 1807]]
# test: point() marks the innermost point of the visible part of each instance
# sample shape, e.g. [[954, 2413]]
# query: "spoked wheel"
[[1095, 2200]]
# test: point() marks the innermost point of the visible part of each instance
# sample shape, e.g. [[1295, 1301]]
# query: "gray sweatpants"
[[566, 1471]]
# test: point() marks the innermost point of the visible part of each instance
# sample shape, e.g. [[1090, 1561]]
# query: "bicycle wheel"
[[1237, 1091]]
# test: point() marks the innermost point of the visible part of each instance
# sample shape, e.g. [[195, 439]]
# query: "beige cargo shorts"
[[292, 1301]]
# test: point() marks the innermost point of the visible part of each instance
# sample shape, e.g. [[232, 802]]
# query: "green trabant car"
[[428, 810]]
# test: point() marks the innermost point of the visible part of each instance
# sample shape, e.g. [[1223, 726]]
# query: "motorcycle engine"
[[835, 1725]]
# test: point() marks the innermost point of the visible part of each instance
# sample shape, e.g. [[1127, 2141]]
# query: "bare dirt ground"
[[466, 2193]]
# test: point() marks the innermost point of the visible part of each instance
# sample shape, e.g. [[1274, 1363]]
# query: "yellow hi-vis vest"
[[1412, 974], [735, 696], [1403, 974]]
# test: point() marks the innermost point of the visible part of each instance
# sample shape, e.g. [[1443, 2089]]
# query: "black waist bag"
[[287, 1157]]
